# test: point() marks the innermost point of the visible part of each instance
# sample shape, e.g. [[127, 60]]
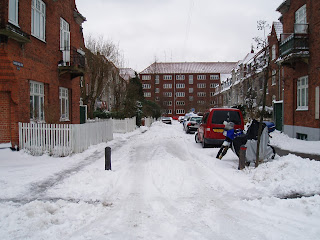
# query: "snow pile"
[[283, 141]]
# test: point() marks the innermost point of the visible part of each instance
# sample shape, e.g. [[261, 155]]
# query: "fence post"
[[242, 157], [107, 158]]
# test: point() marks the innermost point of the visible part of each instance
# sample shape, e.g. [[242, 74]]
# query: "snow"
[[283, 141], [162, 186]]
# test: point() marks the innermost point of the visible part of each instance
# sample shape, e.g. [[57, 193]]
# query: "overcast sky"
[[178, 30]]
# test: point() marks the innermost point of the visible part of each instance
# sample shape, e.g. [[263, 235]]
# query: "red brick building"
[[300, 58], [41, 62], [181, 87]]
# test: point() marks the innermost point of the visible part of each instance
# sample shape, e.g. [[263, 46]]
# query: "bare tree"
[[101, 56]]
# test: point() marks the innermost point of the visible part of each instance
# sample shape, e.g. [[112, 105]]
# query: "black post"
[[107, 158], [242, 157]]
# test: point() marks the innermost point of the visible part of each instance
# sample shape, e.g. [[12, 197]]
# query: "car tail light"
[[189, 124], [208, 129]]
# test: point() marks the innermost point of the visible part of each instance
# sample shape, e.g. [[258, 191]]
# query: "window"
[[201, 94], [190, 98], [167, 85], [64, 104], [190, 90], [211, 94], [167, 94], [169, 111], [180, 94], [38, 19], [65, 40], [167, 77], [157, 81], [302, 93], [301, 15], [214, 85], [36, 101], [212, 102], [13, 11], [180, 85], [201, 102], [157, 98], [201, 85], [201, 77], [302, 136], [167, 103], [146, 77], [274, 80], [147, 94], [146, 86], [273, 52], [180, 103], [157, 90], [214, 77], [180, 77], [180, 111], [190, 79]]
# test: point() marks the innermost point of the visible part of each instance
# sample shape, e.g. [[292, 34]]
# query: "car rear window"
[[218, 117], [196, 119]]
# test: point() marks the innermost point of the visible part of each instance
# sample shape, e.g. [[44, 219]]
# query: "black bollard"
[[107, 158], [242, 157]]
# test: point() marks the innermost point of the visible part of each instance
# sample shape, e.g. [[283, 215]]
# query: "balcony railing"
[[295, 43], [72, 62]]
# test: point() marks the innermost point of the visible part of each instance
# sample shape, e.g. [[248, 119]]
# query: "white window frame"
[[180, 85], [212, 94], [273, 78], [168, 111], [167, 103], [180, 94], [301, 15], [157, 98], [201, 85], [190, 79], [146, 86], [180, 111], [167, 94], [302, 93], [180, 77], [201, 77], [13, 12], [65, 40], [167, 77], [38, 19], [273, 52], [36, 92], [157, 79], [190, 90], [146, 77], [190, 98], [157, 90], [214, 77], [214, 85], [180, 103], [147, 94], [201, 102], [167, 86], [64, 103], [201, 94]]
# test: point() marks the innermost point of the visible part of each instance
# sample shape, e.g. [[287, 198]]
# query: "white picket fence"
[[124, 125], [148, 121], [65, 139]]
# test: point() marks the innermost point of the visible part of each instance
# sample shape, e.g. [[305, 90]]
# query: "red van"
[[211, 128]]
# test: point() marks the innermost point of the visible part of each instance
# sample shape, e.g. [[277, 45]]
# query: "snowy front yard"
[[162, 186]]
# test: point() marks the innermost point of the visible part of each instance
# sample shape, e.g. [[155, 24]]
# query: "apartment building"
[[41, 62], [300, 59], [180, 87]]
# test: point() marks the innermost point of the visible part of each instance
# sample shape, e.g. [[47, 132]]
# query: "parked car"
[[167, 120], [175, 117], [192, 124], [210, 131], [186, 118]]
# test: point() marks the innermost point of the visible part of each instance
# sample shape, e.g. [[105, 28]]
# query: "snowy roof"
[[278, 27], [190, 67], [127, 73]]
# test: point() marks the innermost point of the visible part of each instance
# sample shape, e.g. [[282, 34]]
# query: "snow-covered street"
[[162, 186]]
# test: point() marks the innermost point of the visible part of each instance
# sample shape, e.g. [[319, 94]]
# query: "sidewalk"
[[282, 152]]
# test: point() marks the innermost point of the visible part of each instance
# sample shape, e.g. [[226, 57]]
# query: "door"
[[65, 41], [83, 114], [278, 115]]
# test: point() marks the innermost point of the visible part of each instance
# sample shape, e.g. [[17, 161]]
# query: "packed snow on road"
[[162, 185]]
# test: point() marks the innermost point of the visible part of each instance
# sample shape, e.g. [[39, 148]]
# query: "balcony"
[[295, 46], [15, 33], [73, 62]]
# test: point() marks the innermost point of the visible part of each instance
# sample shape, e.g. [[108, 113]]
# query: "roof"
[[278, 27], [190, 67], [127, 73]]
